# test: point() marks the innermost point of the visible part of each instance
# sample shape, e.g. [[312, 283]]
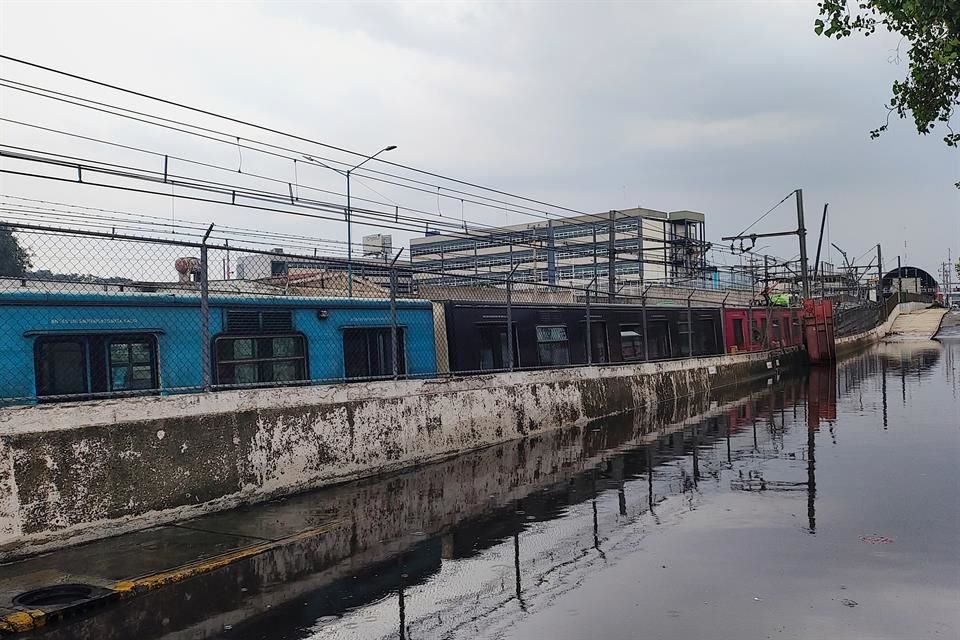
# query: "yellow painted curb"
[[128, 588], [21, 621]]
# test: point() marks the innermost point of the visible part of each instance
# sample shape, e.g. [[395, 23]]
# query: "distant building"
[[572, 251], [276, 266], [909, 280]]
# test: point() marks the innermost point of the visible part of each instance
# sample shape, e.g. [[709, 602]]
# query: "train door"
[[494, 347], [658, 337], [599, 352]]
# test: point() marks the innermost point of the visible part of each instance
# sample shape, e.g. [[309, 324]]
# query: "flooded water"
[[821, 506]]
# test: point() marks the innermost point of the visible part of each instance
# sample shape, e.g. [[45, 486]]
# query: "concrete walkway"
[[918, 325]]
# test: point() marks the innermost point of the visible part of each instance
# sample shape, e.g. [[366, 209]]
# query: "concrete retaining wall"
[[856, 342], [73, 472]]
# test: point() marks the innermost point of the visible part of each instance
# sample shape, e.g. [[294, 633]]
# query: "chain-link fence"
[[852, 318], [92, 315]]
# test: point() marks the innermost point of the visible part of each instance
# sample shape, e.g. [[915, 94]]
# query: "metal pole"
[[643, 312], [640, 250], [205, 368], [689, 327], [510, 320], [723, 325], [879, 275], [589, 335], [612, 256], [766, 278], [802, 233], [393, 318], [349, 243], [899, 282], [816, 261], [551, 255]]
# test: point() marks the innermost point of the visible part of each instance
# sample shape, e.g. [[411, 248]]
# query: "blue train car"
[[86, 345]]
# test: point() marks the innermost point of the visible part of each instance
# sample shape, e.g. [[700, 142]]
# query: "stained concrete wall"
[[72, 472], [375, 522]]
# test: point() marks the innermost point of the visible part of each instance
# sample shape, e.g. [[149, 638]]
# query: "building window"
[[552, 346], [95, 364], [631, 342], [368, 353], [260, 359]]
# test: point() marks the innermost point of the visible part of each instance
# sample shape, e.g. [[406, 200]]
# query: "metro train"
[[85, 345]]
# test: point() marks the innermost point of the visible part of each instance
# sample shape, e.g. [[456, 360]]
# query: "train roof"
[[26, 297]]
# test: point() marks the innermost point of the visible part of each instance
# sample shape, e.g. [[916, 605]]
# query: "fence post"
[[723, 322], [689, 327], [205, 314], [393, 319], [395, 352], [589, 335], [643, 314], [510, 362]]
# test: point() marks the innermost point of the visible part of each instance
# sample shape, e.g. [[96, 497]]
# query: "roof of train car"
[[188, 299], [680, 305]]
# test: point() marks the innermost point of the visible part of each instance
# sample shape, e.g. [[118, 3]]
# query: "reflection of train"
[[88, 344]]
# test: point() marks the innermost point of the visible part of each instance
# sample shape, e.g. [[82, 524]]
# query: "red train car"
[[760, 328]]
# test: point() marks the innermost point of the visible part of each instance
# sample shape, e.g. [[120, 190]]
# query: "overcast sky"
[[719, 107]]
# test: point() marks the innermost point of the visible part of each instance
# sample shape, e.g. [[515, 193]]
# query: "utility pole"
[[899, 281], [802, 232], [879, 274]]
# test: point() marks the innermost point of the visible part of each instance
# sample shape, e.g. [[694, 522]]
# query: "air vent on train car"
[[258, 321]]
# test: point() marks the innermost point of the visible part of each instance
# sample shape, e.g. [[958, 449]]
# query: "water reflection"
[[464, 548]]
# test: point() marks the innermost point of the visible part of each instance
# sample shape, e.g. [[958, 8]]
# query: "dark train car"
[[760, 328], [556, 335]]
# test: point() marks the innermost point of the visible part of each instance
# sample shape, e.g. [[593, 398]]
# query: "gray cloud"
[[719, 107]]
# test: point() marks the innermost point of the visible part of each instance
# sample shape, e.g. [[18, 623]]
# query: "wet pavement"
[[822, 505]]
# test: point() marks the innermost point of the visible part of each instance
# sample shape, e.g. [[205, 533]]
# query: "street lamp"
[[346, 174]]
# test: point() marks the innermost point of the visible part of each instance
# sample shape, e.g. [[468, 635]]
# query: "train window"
[[704, 336], [87, 364], [552, 346], [61, 366], [368, 353], [631, 342], [132, 364], [738, 336], [775, 326], [260, 359]]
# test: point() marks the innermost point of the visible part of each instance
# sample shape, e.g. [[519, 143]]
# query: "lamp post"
[[347, 174]]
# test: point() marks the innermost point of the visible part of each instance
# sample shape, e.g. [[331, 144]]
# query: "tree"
[[14, 259], [931, 90], [957, 267]]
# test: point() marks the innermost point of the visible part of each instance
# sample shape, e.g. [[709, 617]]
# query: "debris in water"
[[849, 603], [876, 539]]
